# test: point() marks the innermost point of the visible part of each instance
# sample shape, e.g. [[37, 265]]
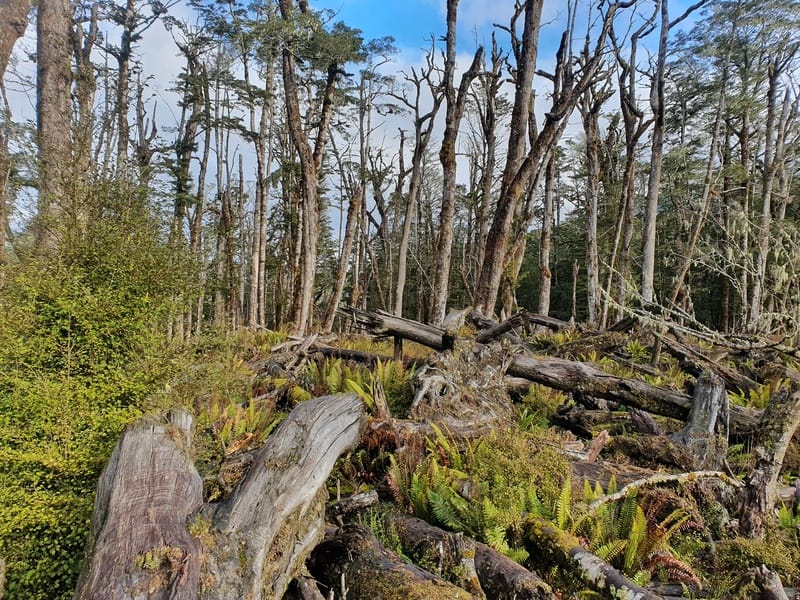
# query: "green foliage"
[[81, 350], [485, 489], [538, 405], [636, 537], [735, 557], [758, 397]]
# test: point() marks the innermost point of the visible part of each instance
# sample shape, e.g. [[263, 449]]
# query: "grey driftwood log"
[[253, 543]]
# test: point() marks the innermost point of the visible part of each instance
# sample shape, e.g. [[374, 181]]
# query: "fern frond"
[[563, 505], [637, 533], [608, 552]]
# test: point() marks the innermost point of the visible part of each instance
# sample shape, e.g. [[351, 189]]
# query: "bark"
[[545, 539], [775, 430], [53, 109], [353, 563], [497, 576], [769, 583], [705, 436], [545, 239], [656, 160], [275, 516]]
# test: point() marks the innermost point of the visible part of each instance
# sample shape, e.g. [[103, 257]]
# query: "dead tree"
[[249, 546]]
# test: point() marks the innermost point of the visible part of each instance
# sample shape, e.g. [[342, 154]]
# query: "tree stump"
[[705, 436], [253, 544]]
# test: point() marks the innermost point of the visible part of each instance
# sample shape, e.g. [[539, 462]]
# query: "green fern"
[[564, 505]]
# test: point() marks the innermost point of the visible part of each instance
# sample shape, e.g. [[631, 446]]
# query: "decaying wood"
[[777, 426], [254, 543], [382, 323], [581, 378], [449, 555], [274, 517], [705, 436], [462, 389], [658, 479], [564, 549], [139, 545], [769, 583], [352, 504], [354, 559], [694, 362], [499, 577]]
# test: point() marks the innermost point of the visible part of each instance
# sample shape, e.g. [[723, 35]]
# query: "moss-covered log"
[[354, 559], [562, 548], [499, 577]]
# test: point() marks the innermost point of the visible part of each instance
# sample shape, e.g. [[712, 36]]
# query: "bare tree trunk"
[[656, 160], [456, 101], [423, 126], [773, 149], [13, 22], [545, 239], [54, 79]]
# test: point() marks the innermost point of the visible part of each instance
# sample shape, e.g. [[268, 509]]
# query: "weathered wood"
[[769, 583], [139, 545], [352, 504], [272, 520], [564, 549], [778, 424], [581, 378], [382, 323], [695, 362], [499, 577], [254, 542], [705, 436], [356, 560]]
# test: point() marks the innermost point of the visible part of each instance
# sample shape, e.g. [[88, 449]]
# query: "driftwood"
[[778, 424], [564, 549], [499, 577], [769, 583], [354, 564], [254, 542]]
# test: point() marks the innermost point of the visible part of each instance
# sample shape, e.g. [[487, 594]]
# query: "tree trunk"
[[13, 22], [775, 430], [53, 109], [656, 160], [456, 101], [545, 539], [499, 577]]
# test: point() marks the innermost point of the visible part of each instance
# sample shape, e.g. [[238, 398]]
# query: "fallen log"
[[694, 362], [580, 378], [354, 564], [583, 378], [253, 543], [551, 543], [500, 578]]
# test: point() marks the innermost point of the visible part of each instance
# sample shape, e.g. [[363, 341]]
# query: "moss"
[[737, 556]]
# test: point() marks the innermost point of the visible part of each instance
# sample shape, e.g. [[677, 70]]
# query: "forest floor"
[[526, 459]]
